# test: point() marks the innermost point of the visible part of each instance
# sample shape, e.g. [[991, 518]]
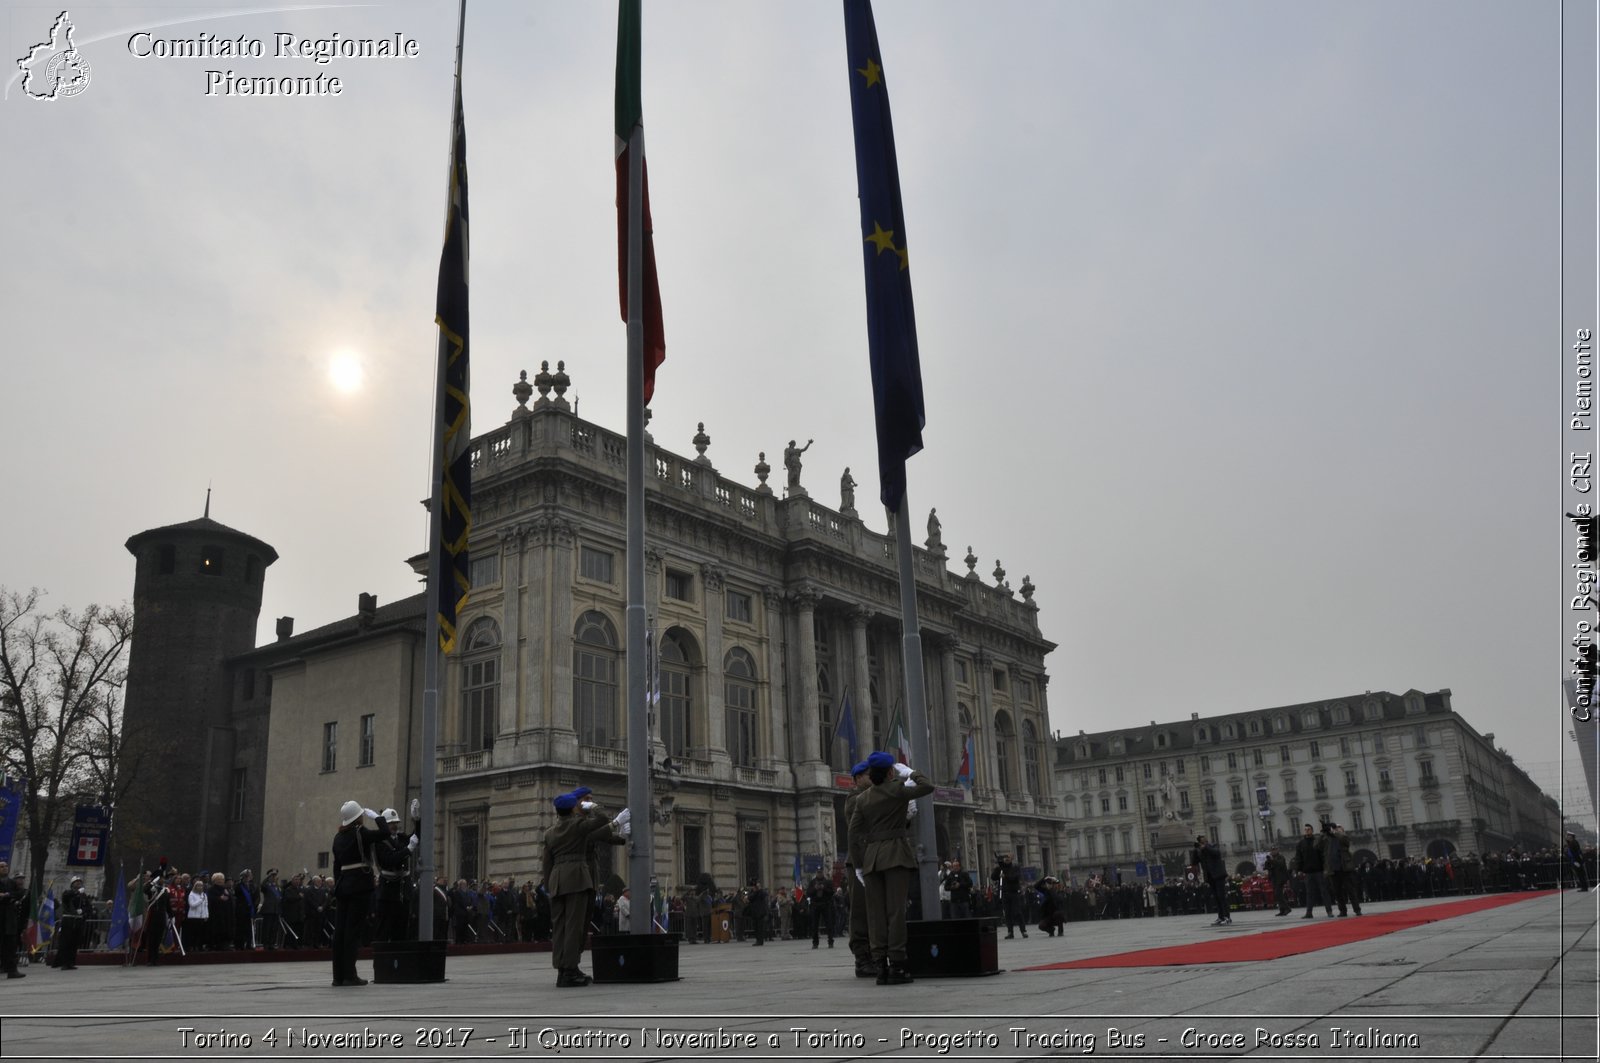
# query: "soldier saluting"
[[567, 878]]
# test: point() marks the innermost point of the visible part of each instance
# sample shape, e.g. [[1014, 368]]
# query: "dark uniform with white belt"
[[72, 914], [567, 879], [882, 852], [352, 890]]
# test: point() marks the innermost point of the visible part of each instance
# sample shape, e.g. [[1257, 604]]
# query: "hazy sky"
[[1234, 316]]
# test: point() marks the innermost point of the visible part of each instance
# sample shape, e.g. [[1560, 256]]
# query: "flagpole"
[[917, 712], [433, 656], [640, 852]]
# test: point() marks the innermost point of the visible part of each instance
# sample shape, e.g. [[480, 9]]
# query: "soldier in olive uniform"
[[885, 861], [859, 942], [566, 877]]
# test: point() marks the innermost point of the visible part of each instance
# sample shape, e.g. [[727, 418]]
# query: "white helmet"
[[349, 813], [391, 816]]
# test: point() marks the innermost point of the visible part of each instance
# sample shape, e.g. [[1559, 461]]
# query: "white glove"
[[370, 814], [861, 876], [413, 844], [623, 824], [911, 810], [904, 771], [416, 808]]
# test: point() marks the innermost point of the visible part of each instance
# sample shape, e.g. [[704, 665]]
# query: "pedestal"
[[951, 948], [634, 957], [407, 961]]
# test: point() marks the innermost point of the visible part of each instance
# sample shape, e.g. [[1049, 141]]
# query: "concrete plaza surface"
[[1516, 982]]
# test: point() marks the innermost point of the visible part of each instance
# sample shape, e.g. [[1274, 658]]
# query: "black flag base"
[[952, 948], [634, 957], [394, 962]]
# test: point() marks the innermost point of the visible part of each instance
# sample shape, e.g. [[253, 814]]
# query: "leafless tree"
[[58, 672]]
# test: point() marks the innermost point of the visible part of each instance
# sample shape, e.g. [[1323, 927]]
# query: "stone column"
[[711, 577], [564, 736], [777, 699], [538, 648], [983, 713], [805, 707], [510, 720], [861, 683], [1046, 742]]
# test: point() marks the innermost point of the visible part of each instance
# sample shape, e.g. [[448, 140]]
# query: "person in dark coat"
[[1278, 874], [353, 886], [1572, 854], [1308, 860], [820, 895], [1215, 871], [13, 914], [73, 912], [1007, 881], [755, 910]]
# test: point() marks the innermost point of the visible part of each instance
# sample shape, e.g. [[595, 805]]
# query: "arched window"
[[677, 728], [480, 685], [594, 681], [1005, 737], [739, 695], [1030, 758]]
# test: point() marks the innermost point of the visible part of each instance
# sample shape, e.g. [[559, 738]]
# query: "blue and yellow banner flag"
[[891, 323], [455, 409]]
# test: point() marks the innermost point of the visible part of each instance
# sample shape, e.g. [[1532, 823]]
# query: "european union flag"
[[846, 727], [891, 322]]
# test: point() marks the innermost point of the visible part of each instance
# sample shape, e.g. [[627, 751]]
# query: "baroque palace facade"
[[768, 611], [1405, 774]]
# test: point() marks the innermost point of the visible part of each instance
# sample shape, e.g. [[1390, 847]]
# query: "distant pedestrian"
[[1206, 857], [1573, 853], [1308, 860]]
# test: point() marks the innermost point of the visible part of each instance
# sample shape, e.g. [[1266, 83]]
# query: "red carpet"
[[1320, 933]]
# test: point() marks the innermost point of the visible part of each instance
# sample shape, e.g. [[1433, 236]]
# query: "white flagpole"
[[916, 715]]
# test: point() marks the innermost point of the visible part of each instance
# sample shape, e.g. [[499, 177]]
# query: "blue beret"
[[566, 802], [859, 769], [880, 759], [581, 792]]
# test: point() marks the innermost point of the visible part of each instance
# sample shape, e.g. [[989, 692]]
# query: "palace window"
[[480, 685], [739, 695], [595, 655]]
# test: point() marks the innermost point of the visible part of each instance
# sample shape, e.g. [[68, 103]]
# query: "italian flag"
[[630, 138]]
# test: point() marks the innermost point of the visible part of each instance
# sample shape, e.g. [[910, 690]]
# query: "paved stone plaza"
[[1518, 982]]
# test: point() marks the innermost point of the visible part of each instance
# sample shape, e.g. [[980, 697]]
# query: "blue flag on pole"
[[846, 728], [891, 323], [117, 936]]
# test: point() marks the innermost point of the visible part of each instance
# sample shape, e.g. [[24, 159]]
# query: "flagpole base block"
[[952, 948], [618, 958], [395, 962]]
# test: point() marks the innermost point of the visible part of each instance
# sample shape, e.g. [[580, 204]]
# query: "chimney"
[[1194, 716], [366, 609], [285, 628]]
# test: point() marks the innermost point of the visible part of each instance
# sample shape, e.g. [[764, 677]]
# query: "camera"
[[1327, 828]]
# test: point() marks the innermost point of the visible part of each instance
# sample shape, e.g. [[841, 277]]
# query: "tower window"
[[168, 560]]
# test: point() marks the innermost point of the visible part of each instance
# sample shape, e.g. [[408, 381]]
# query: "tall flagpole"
[[433, 656], [640, 852], [917, 711]]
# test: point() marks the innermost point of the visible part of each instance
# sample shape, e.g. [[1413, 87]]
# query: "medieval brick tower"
[[196, 598]]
